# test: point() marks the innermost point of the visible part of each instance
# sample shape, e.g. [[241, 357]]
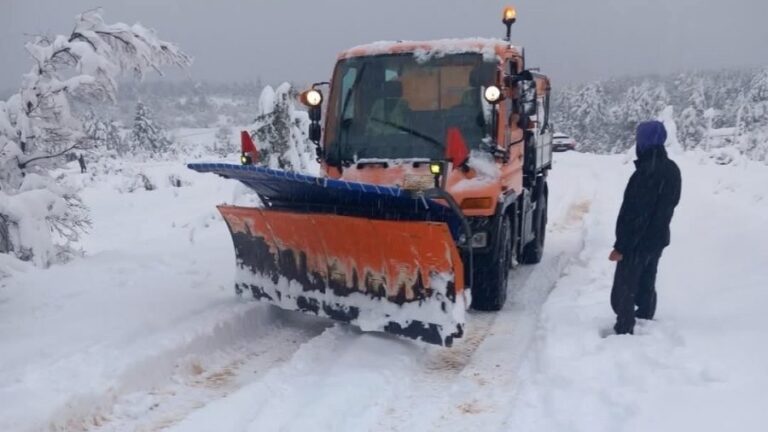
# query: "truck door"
[[544, 130], [511, 139]]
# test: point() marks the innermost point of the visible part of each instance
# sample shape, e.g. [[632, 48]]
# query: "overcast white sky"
[[572, 40]]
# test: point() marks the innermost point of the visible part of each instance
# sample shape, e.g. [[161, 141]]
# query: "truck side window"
[[346, 84], [543, 112], [546, 109]]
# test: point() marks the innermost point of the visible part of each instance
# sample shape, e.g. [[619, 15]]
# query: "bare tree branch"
[[114, 36], [77, 36], [23, 165]]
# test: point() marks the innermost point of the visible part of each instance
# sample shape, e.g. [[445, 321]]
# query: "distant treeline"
[[602, 115]]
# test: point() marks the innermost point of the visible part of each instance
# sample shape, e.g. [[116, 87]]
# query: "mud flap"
[[401, 277]]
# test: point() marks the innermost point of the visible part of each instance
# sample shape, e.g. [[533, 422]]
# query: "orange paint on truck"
[[396, 253]]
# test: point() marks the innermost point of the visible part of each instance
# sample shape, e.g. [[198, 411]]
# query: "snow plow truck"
[[433, 187]]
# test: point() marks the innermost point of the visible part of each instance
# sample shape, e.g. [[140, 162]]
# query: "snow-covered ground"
[[145, 333], [702, 365]]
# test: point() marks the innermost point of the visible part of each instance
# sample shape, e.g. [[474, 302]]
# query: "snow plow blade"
[[379, 259]]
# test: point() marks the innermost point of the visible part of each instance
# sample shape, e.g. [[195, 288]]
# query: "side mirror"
[[528, 97], [512, 80], [314, 132], [314, 114]]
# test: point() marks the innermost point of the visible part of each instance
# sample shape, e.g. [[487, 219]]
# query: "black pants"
[[634, 284]]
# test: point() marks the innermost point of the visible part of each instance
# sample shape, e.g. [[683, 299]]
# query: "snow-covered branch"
[[37, 126]]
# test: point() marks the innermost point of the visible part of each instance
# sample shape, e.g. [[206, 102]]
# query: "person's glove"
[[615, 256]]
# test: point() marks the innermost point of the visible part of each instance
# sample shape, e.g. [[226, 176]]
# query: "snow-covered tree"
[[693, 121], [223, 144], [640, 103], [603, 116], [757, 97], [113, 140], [41, 218], [102, 134], [758, 88], [590, 117], [280, 131], [692, 127], [753, 117], [147, 136]]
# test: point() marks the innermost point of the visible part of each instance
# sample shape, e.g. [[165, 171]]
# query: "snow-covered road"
[[144, 333]]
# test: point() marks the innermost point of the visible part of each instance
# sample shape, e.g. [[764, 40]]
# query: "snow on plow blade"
[[400, 273]]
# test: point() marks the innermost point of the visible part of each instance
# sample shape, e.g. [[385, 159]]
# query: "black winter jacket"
[[650, 199]]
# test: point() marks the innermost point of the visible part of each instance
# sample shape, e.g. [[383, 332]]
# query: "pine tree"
[[758, 101], [102, 134], [114, 141], [758, 87], [94, 129], [641, 102], [590, 119], [147, 136], [752, 117], [280, 131], [693, 122], [222, 145]]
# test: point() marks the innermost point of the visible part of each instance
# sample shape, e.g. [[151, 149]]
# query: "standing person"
[[81, 161], [642, 228]]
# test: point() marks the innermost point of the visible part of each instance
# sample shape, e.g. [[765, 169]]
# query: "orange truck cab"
[[463, 116]]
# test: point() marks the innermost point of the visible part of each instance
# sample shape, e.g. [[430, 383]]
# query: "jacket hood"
[[650, 157], [650, 135]]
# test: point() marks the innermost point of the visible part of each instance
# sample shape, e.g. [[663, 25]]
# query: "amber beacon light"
[[509, 18], [510, 15]]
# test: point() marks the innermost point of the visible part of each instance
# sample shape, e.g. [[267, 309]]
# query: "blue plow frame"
[[292, 191]]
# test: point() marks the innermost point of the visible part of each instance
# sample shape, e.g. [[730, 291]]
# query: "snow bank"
[[33, 212], [158, 274], [701, 364]]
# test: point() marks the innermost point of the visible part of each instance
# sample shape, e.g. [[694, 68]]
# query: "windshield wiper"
[[408, 131]]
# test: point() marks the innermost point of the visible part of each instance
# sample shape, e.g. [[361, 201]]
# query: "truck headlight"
[[493, 94], [311, 98]]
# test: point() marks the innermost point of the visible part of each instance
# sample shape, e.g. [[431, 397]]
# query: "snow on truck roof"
[[491, 49]]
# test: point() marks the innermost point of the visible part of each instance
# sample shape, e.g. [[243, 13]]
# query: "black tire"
[[491, 271], [534, 251]]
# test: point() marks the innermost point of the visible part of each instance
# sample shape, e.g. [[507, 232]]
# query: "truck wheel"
[[491, 272], [534, 251]]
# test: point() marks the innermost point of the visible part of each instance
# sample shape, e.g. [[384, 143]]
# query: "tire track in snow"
[[457, 385], [160, 391], [330, 383], [344, 379], [480, 398]]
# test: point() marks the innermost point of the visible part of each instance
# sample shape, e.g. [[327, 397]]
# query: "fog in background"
[[278, 40]]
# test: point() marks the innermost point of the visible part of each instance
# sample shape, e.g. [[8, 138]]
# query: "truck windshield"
[[396, 107]]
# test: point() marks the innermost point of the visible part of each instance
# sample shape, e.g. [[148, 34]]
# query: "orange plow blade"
[[401, 277]]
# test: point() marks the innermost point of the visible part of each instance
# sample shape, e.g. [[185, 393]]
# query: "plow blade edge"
[[401, 277]]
